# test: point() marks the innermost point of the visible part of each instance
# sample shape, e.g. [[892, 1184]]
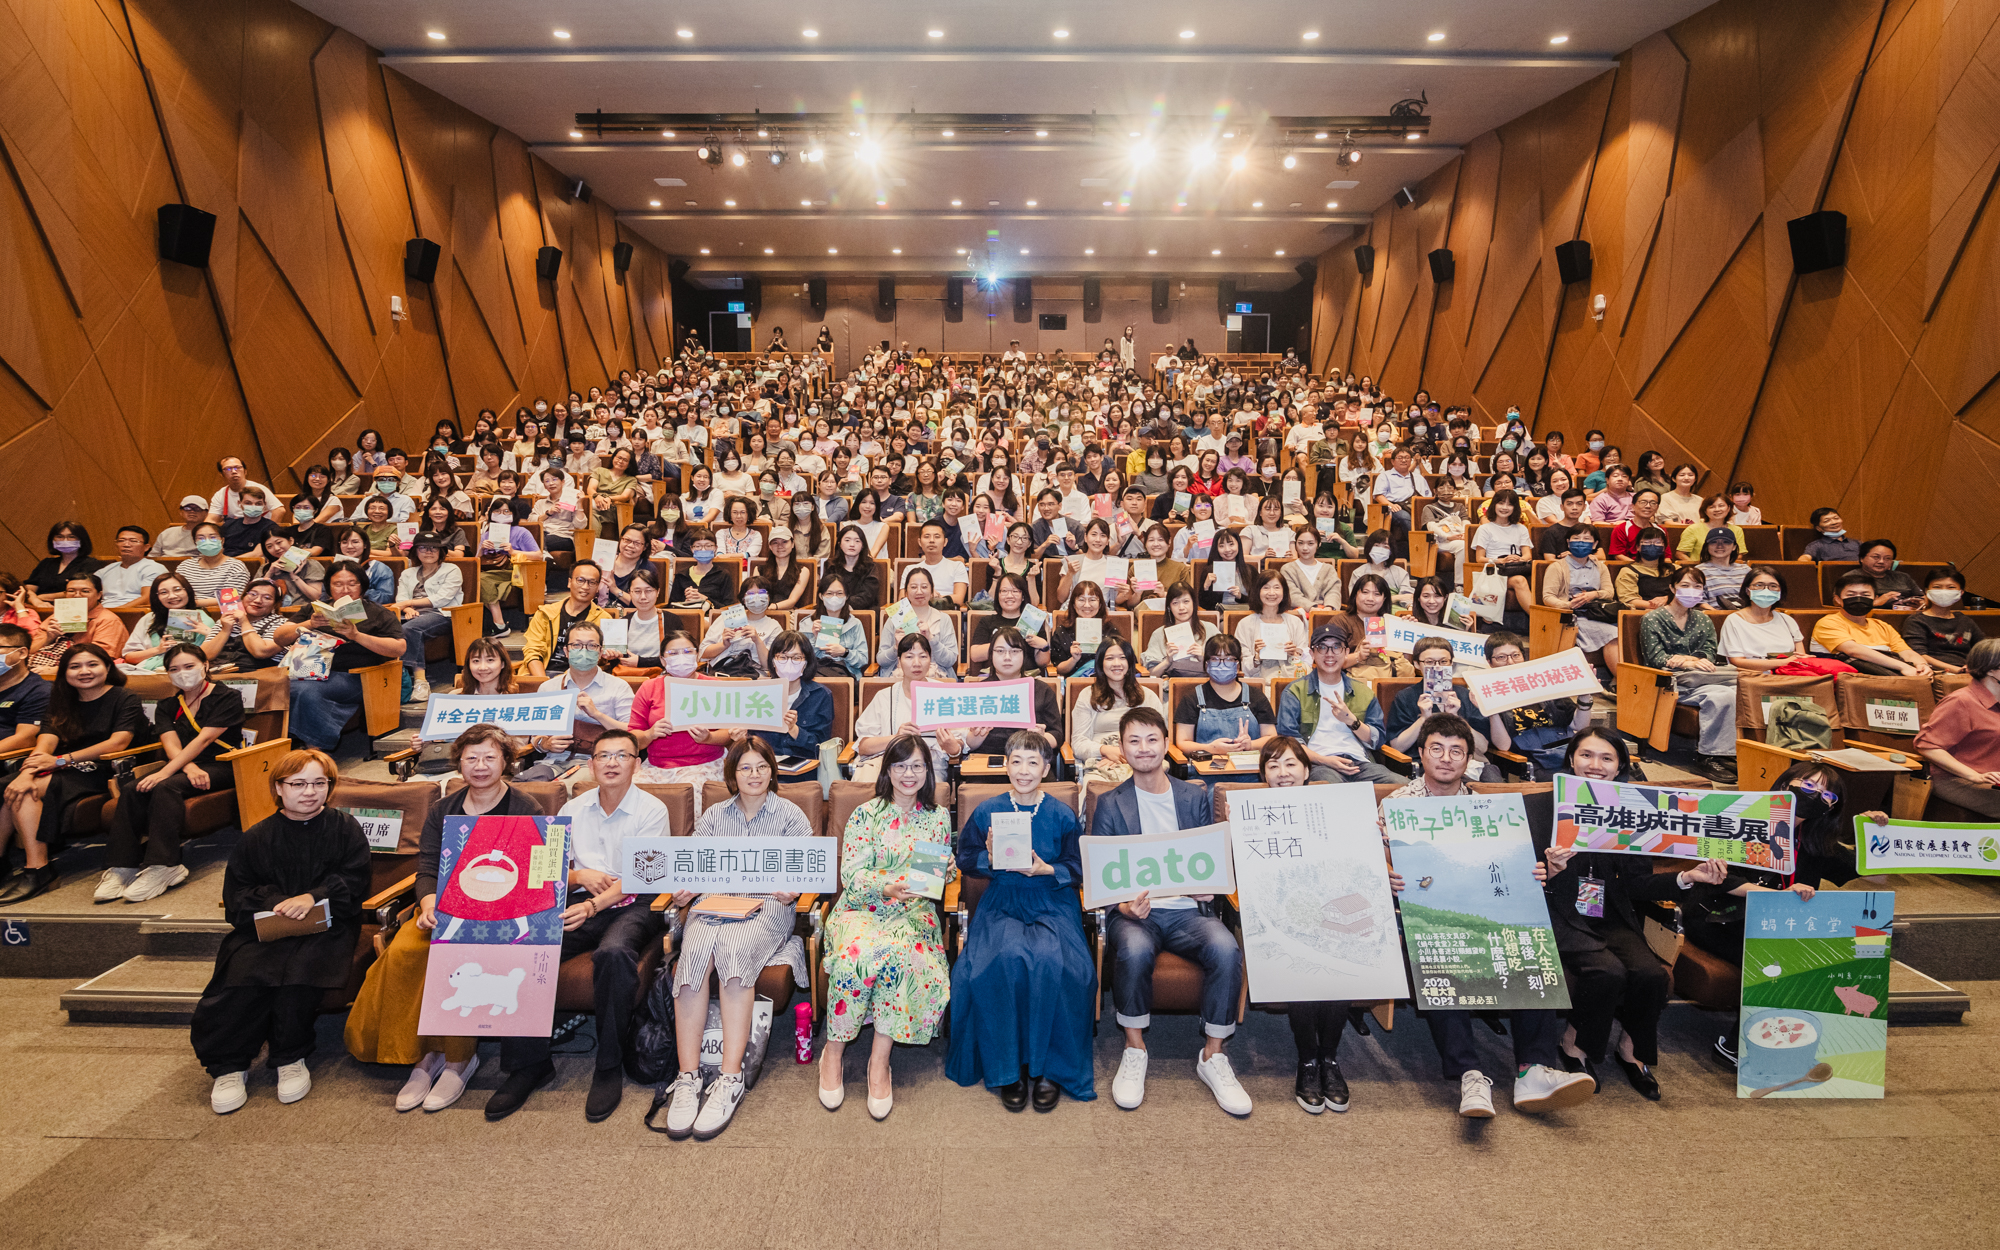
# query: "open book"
[[344, 608]]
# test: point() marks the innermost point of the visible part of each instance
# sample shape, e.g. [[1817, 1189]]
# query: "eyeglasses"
[[1329, 648], [909, 766], [613, 757], [758, 769], [306, 785]]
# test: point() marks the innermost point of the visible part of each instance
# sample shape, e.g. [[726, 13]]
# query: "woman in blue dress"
[[1022, 990]]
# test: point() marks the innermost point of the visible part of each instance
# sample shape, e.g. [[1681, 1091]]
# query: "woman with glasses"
[[884, 962], [307, 857]]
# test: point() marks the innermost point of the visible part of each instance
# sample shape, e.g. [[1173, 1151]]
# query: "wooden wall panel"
[[1874, 387]]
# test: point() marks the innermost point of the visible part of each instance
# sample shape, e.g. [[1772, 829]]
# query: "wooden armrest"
[[1392, 754], [1175, 754], [390, 895], [806, 903], [131, 752], [660, 901], [21, 754], [949, 902], [397, 757], [230, 757], [847, 755], [1512, 757]]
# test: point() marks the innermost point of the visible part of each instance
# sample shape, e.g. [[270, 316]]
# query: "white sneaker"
[[684, 1105], [1128, 1088], [1221, 1081], [1475, 1096], [155, 880], [111, 886], [294, 1082], [232, 1090], [420, 689], [1542, 1088], [716, 1109], [418, 1087], [450, 1085]]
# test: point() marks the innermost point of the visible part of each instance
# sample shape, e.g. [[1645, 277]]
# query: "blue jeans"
[[321, 709], [419, 630], [1204, 940], [1536, 1035]]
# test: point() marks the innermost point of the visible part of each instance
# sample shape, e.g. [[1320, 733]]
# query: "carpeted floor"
[[107, 1141]]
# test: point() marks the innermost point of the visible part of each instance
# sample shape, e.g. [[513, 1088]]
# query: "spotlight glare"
[[654, 203], [1311, 34], [810, 34], [729, 203], [561, 34], [1239, 162], [685, 34], [704, 251], [736, 159], [1320, 135], [1412, 137], [935, 34], [666, 134], [435, 34], [1041, 134], [576, 134], [1152, 251], [868, 152], [1024, 251], [833, 251], [951, 134], [1201, 156], [1256, 203], [1559, 39], [1215, 251], [1291, 161], [1281, 251], [1333, 203], [768, 251], [1062, 34], [958, 203], [1142, 152], [1032, 203], [1090, 251], [895, 251], [1187, 34]]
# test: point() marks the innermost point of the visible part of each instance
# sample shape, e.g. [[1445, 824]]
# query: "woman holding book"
[[1023, 987], [1093, 731], [173, 619], [1089, 566], [838, 635], [884, 960], [1012, 596], [1273, 638], [1175, 649], [915, 615]]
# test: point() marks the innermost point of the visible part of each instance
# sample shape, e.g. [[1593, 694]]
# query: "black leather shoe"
[[1720, 769], [1047, 1094], [1332, 1085], [513, 1092], [1306, 1089], [1642, 1079], [1571, 1063], [607, 1088], [1015, 1097], [32, 883]]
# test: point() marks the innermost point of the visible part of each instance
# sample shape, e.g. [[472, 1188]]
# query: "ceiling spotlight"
[[935, 34], [1239, 162], [1311, 34], [1290, 161], [777, 156], [1187, 34], [710, 151], [895, 251], [654, 203], [868, 152], [704, 251], [1437, 36], [763, 133], [685, 34], [810, 33], [737, 158], [435, 34], [1062, 34], [560, 34], [1201, 156], [1353, 156], [1555, 39], [767, 251], [576, 134], [815, 153]]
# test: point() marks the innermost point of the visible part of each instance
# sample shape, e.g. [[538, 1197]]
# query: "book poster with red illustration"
[[502, 885]]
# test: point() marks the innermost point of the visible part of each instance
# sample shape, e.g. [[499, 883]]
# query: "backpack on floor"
[[1797, 723], [650, 1057]]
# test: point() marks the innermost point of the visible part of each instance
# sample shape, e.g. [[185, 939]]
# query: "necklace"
[[1033, 811]]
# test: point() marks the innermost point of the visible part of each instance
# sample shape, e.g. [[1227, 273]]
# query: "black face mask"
[[1857, 605]]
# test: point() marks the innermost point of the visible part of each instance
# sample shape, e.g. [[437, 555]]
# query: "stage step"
[[146, 989]]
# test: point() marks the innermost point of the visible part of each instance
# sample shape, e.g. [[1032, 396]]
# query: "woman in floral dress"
[[884, 957]]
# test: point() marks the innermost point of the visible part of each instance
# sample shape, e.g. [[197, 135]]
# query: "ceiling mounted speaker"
[[1024, 298], [621, 257], [753, 295], [1364, 259], [1573, 261], [548, 263], [1160, 295], [1405, 197], [954, 299], [580, 191], [1819, 241], [1093, 300], [816, 295], [1225, 299], [420, 260], [1442, 266], [185, 233], [885, 300]]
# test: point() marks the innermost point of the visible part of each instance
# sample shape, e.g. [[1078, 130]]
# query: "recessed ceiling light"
[[951, 134], [958, 203], [1031, 203], [1215, 251], [704, 251], [685, 34], [1320, 135], [1229, 134], [1555, 39], [729, 203], [1296, 204], [1187, 34], [1152, 251], [992, 203], [576, 134], [895, 251], [833, 251], [1437, 36], [935, 34], [1412, 137], [1281, 251], [1041, 134], [763, 133], [1107, 203], [1256, 203], [560, 34], [666, 134], [767, 251], [1132, 134], [1062, 34], [961, 251], [435, 34], [1333, 203], [810, 33], [881, 203], [1311, 34], [805, 203], [654, 203], [1024, 251], [1090, 251]]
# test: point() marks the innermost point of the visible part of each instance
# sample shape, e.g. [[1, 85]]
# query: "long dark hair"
[[160, 610], [900, 749], [65, 707], [1819, 826], [1102, 696]]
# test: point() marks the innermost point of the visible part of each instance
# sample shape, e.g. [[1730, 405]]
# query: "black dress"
[[115, 710]]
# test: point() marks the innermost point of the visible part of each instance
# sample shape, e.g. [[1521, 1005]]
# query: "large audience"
[[1112, 522]]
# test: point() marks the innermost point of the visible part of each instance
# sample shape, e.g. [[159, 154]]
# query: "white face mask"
[[790, 670], [187, 680], [1379, 555], [681, 664]]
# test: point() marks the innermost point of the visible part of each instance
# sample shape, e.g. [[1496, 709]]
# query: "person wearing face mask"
[[808, 704], [1225, 713], [1590, 461], [1757, 638], [1743, 505], [1580, 583], [603, 700], [210, 570], [1830, 541], [246, 529], [1647, 582], [742, 650], [703, 582], [1940, 632], [24, 696], [506, 551], [1378, 564], [1961, 740], [1681, 639], [142, 854], [734, 478], [1869, 644]]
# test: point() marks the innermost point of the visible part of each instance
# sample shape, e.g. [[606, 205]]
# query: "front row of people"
[[1023, 991]]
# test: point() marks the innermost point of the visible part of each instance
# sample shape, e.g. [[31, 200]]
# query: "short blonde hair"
[[295, 762]]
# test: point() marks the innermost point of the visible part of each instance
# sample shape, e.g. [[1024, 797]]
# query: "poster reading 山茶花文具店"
[[1475, 922], [1749, 827], [1815, 1018]]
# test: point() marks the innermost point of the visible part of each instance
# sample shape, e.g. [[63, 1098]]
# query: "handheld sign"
[[1162, 865], [1565, 674], [1749, 827], [1926, 846], [955, 705], [530, 713]]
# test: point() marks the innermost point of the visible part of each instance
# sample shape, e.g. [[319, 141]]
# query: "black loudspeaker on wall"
[[1442, 266], [185, 233], [677, 269], [1307, 270], [580, 190], [1405, 197], [1093, 300], [1364, 259], [885, 299], [954, 299], [1573, 261], [548, 262], [1225, 299], [1159, 295], [420, 260], [621, 256], [753, 295], [1819, 241], [816, 295], [1024, 298]]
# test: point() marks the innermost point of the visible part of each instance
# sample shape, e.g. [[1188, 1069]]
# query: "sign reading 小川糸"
[[750, 704], [953, 705], [748, 865], [530, 712]]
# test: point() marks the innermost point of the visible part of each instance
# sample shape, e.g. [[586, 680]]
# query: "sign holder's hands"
[[1707, 872], [1137, 908]]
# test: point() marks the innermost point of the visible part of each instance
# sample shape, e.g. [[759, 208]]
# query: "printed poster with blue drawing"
[[502, 885], [1815, 1020], [1475, 921]]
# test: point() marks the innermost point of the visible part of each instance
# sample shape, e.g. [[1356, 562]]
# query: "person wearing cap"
[[228, 502], [176, 542], [1342, 730], [386, 481], [423, 592]]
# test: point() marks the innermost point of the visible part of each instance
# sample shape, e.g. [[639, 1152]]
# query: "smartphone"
[[996, 761]]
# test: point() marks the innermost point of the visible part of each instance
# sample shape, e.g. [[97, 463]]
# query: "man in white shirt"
[[1075, 504], [128, 580], [950, 583], [616, 928], [228, 502], [1396, 486], [176, 542], [1217, 438], [602, 701]]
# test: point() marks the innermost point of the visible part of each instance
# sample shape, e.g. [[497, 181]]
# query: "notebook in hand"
[[727, 906], [271, 926]]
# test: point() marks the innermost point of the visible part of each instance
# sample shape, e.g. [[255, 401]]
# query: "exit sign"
[[737, 305], [1243, 308]]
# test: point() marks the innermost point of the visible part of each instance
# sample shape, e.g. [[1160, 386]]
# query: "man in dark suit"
[[1152, 802]]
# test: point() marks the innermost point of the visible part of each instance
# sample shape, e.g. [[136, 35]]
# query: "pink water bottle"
[[802, 1014]]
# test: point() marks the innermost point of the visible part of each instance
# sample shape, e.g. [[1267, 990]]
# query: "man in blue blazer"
[[1153, 802]]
